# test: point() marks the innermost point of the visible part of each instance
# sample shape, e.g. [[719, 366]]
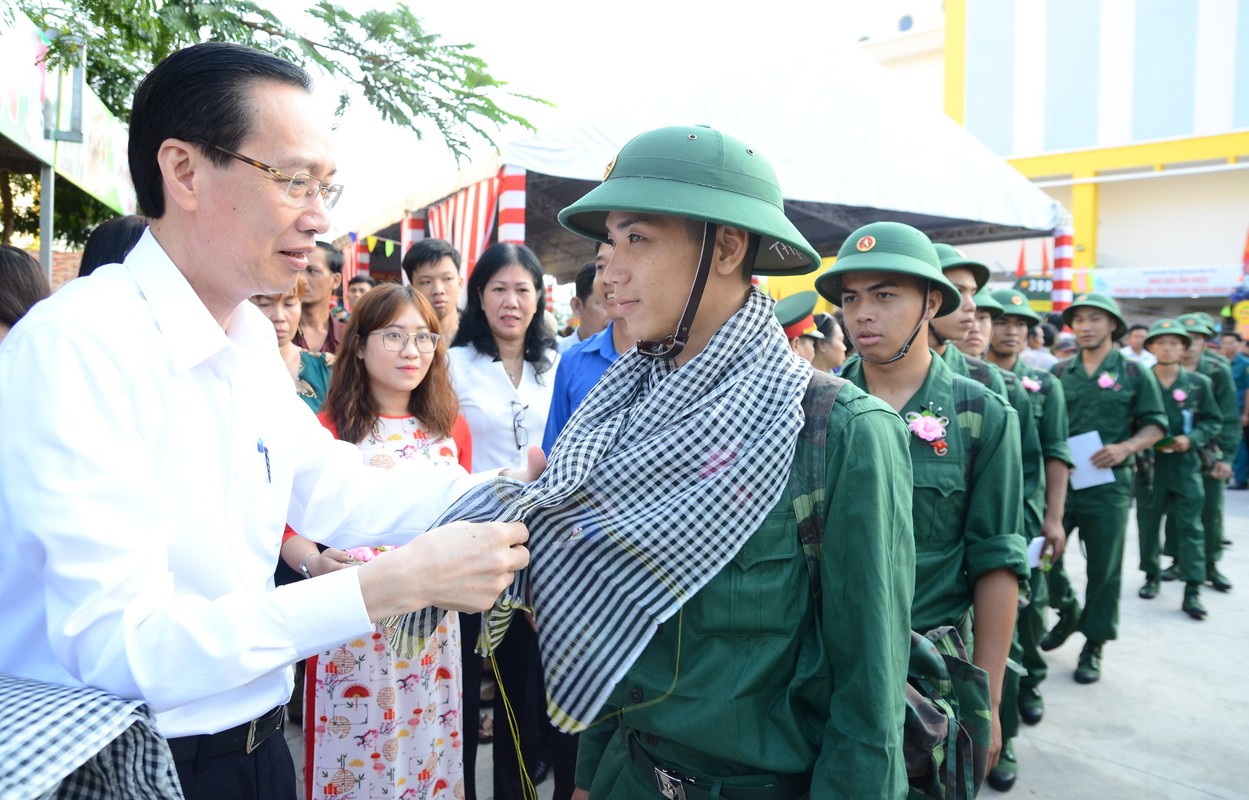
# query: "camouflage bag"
[[948, 725]]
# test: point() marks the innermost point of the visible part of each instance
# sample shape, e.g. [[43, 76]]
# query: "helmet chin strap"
[[670, 346], [910, 340]]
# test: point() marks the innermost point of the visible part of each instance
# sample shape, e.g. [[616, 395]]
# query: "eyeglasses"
[[519, 434], [301, 187], [395, 341]]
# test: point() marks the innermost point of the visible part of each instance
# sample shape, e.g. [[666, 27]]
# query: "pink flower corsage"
[[1031, 384], [1180, 395], [1108, 380], [929, 426], [365, 553]]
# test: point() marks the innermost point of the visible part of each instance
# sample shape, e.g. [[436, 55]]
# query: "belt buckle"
[[251, 737], [670, 786]]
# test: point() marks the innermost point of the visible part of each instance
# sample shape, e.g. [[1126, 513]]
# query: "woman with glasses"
[[503, 365], [376, 723]]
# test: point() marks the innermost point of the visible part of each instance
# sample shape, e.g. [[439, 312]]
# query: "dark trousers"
[[267, 773], [470, 629]]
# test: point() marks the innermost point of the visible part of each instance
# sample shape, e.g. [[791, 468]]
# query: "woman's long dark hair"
[[475, 328], [350, 405]]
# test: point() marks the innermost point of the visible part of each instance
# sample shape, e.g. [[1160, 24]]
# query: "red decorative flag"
[[1021, 270], [1245, 258], [1045, 259]]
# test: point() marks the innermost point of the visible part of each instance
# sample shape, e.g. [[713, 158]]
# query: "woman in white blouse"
[[503, 358], [503, 367]]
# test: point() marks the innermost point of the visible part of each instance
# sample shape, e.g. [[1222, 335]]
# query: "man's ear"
[[934, 304], [338, 282], [576, 305], [180, 163], [731, 246]]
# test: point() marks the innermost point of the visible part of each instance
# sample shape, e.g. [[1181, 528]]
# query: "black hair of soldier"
[[198, 94], [585, 280], [428, 251], [362, 279]]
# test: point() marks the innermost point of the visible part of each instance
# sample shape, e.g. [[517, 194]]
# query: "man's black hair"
[[110, 242], [362, 279], [1049, 334], [1234, 334], [585, 281], [198, 94], [1138, 327], [333, 257], [428, 251]]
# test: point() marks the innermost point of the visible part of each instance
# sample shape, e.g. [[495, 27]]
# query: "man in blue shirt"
[[584, 363], [1233, 348]]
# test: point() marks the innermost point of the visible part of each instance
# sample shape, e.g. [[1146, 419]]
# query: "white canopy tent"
[[848, 145]]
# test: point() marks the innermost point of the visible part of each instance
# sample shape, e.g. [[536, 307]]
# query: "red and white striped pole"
[[512, 205], [362, 257], [411, 231], [1064, 255]]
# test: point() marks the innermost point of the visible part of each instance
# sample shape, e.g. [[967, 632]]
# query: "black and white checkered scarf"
[[655, 483]]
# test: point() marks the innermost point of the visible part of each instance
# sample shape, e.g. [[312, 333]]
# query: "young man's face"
[[262, 238], [1136, 339], [592, 315], [1230, 346], [1167, 349], [881, 309], [1010, 335], [651, 271], [804, 346], [355, 291], [1092, 327], [958, 326], [440, 283], [321, 282], [1199, 344], [978, 340], [606, 297]]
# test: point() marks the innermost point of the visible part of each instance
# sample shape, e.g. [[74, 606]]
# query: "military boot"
[[1031, 705], [1089, 668], [1068, 620], [1171, 573], [1217, 579], [1002, 777], [1151, 588], [1192, 601]]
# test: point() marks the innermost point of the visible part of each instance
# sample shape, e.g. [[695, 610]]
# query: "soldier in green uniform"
[[1043, 509], [1200, 358], [987, 310], [964, 445], [1175, 488], [798, 321], [1117, 397], [755, 687]]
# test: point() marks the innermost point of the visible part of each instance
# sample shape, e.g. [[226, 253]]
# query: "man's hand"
[[463, 566], [1221, 471], [995, 742], [1055, 538], [535, 462], [1180, 444], [1112, 455], [581, 794]]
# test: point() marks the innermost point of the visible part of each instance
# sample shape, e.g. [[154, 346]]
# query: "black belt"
[[246, 737], [675, 786]]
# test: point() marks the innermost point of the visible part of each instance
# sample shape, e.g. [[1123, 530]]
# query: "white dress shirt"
[[1146, 358], [148, 461], [490, 404]]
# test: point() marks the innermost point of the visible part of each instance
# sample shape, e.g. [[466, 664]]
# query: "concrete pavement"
[[1169, 720]]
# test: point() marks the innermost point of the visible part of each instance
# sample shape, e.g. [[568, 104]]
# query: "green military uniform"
[[751, 678], [754, 682], [966, 508], [1215, 367], [1130, 402]]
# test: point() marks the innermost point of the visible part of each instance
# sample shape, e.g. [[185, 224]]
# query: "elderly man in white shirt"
[[151, 449]]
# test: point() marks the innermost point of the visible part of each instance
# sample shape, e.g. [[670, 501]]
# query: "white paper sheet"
[[1084, 474]]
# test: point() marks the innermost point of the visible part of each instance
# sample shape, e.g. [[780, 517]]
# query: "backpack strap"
[[969, 411], [807, 474]]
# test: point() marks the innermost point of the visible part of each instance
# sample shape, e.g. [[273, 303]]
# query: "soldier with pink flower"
[[1177, 492]]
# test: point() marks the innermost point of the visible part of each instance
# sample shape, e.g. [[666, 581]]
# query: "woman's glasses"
[[395, 341]]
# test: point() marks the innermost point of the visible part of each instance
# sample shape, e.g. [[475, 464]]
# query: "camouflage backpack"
[[948, 727]]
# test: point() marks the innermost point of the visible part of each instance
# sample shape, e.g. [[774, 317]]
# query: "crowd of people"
[[686, 545]]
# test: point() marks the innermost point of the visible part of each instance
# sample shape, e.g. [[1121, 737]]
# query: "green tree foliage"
[[74, 212], [409, 75]]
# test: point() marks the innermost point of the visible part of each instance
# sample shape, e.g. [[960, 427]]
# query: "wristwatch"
[[303, 565]]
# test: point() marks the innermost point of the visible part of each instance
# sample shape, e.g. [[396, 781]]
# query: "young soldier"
[[1199, 358], [1043, 512], [1117, 397], [692, 435], [1176, 488], [795, 314], [964, 446]]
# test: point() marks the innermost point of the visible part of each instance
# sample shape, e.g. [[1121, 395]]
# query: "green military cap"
[[1100, 301], [952, 257], [1015, 303], [889, 247], [795, 314], [699, 173], [985, 301], [1168, 327], [1194, 323]]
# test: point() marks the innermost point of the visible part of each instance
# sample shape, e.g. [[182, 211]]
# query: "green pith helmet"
[[1168, 327], [1101, 301], [1193, 323], [889, 247], [985, 301], [697, 173], [1015, 303], [951, 258], [795, 314]]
